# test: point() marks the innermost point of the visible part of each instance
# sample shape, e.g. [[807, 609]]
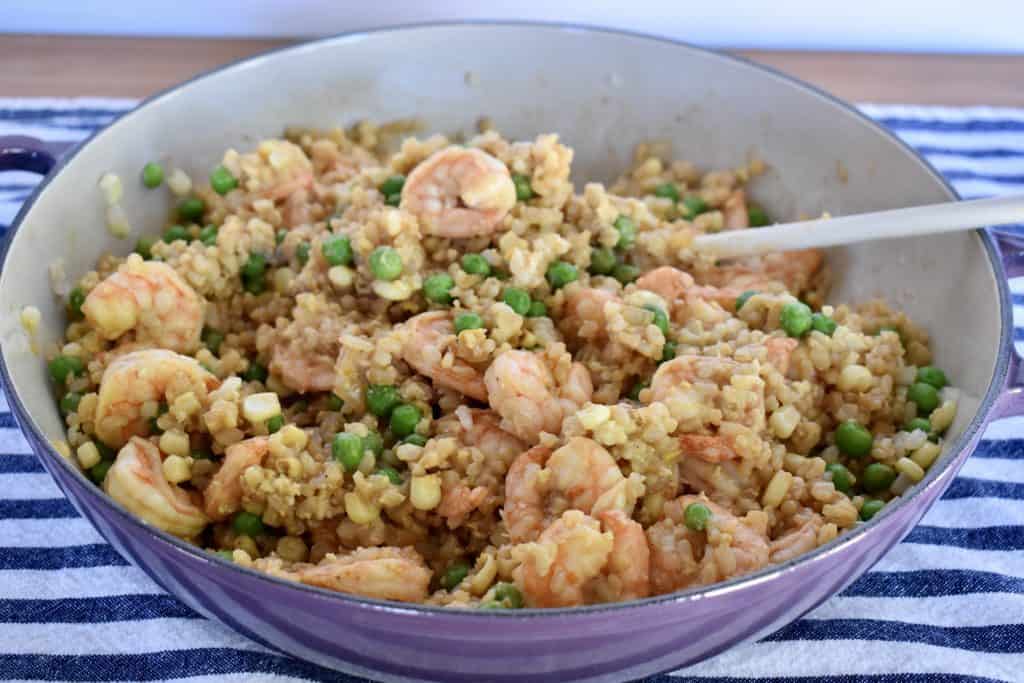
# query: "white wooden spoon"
[[880, 225]]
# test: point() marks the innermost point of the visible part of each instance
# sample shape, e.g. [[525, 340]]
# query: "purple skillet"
[[603, 91]]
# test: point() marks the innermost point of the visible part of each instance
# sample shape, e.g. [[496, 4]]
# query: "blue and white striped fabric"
[[945, 605]]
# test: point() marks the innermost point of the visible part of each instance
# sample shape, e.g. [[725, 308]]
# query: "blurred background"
[[980, 26]]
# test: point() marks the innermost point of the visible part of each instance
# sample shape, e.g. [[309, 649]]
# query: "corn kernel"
[[30, 319], [425, 491], [292, 548], [88, 455], [926, 454], [246, 545], [117, 222], [177, 469], [261, 407], [854, 378], [486, 572], [783, 421], [174, 442], [110, 185], [942, 417], [179, 182], [185, 406], [62, 447], [397, 290], [777, 489], [900, 485], [910, 468], [282, 279], [341, 276], [359, 511], [593, 415]]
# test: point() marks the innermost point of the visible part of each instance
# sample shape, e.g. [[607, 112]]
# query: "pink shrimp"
[[430, 336]]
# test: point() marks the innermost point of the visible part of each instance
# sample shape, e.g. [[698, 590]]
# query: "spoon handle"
[[880, 225]]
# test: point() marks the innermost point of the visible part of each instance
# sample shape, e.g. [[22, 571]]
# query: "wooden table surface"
[[64, 66]]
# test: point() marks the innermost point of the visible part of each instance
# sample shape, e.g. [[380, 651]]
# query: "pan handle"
[[1011, 253], [22, 153]]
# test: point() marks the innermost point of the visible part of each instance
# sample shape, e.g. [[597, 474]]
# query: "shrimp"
[[797, 541], [382, 573], [150, 298], [780, 349], [681, 557], [430, 335], [678, 287], [481, 429], [459, 192], [458, 501], [794, 269], [523, 390], [307, 347], [583, 318], [223, 495], [140, 380], [713, 449], [136, 481], [574, 562], [580, 475], [689, 369], [734, 210]]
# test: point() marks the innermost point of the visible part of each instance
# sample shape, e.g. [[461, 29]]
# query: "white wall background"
[[905, 25]]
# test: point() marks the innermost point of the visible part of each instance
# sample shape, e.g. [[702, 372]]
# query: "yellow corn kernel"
[[261, 407], [910, 468], [942, 417], [179, 182], [783, 421], [854, 378], [177, 469], [174, 442], [397, 290], [113, 191], [425, 491], [246, 545], [358, 510], [30, 319], [487, 571], [117, 222], [926, 454], [593, 415], [901, 484], [292, 548], [777, 489], [88, 455], [341, 276], [185, 406], [294, 437], [62, 447]]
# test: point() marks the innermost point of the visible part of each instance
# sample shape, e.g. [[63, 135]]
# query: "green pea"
[[932, 375], [695, 205], [208, 235], [560, 274], [667, 191], [144, 247], [176, 232], [634, 393], [921, 423], [212, 339], [404, 419], [69, 402], [508, 595], [437, 288], [877, 477], [337, 250], [381, 399], [279, 236], [524, 192], [416, 440], [222, 181], [475, 264], [347, 449], [538, 309], [247, 524], [757, 217], [255, 373], [391, 473], [255, 266], [925, 396], [602, 261], [385, 263], [152, 175], [191, 209], [454, 575], [625, 273], [660, 319], [468, 321], [696, 516], [275, 423], [795, 318], [393, 185], [98, 472], [254, 285], [870, 508], [853, 439], [302, 253], [334, 403], [668, 351], [106, 452], [840, 476], [76, 297], [393, 200], [62, 366], [518, 300], [374, 443], [824, 324], [745, 297], [627, 232]]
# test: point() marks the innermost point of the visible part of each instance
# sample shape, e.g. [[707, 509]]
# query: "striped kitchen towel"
[[946, 605]]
